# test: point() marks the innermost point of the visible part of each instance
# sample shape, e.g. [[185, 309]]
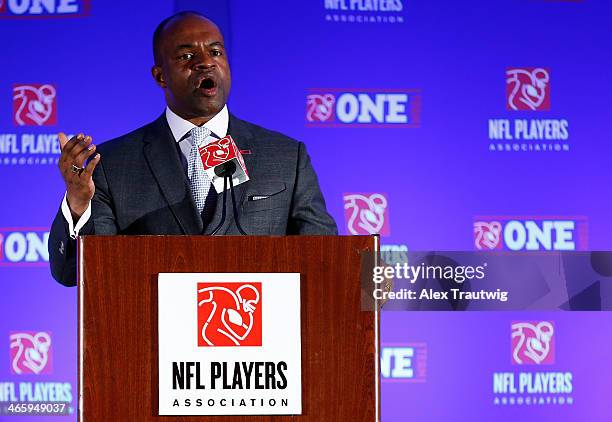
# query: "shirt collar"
[[180, 127]]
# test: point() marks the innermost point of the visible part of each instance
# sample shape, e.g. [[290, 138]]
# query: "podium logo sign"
[[366, 213], [229, 314], [533, 343], [30, 352], [229, 344]]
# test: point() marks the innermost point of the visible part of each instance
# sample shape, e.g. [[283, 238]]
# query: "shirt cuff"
[[73, 230]]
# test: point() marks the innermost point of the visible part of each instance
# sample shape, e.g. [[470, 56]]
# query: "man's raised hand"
[[80, 187]]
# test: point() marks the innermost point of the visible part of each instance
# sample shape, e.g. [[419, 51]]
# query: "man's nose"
[[205, 63]]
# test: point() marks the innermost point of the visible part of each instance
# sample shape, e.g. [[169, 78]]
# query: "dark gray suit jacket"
[[141, 188]]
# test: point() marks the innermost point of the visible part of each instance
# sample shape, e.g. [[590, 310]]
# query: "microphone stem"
[[214, 232], [234, 207]]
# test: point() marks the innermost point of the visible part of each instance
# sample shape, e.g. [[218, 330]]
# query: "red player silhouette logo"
[[533, 343], [320, 107], [34, 105], [229, 314], [366, 213], [30, 352], [528, 89], [218, 152], [487, 235]]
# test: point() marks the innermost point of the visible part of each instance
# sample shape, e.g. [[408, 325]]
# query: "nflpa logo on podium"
[[229, 314]]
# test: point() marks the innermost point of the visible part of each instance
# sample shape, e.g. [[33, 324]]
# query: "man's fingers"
[[82, 157], [63, 140], [79, 147], [74, 141], [91, 166]]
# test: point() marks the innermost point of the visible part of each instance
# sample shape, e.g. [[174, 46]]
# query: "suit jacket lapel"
[[244, 140], [162, 156]]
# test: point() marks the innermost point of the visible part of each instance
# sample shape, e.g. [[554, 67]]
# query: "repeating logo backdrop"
[[442, 125]]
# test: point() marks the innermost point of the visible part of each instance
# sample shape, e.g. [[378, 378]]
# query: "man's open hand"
[[80, 187]]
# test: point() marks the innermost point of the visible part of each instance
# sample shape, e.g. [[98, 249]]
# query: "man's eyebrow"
[[210, 44], [179, 47]]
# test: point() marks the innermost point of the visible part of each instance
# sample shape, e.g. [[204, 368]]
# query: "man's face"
[[193, 68]]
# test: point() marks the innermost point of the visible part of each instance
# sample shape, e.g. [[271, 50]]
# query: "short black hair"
[[157, 35]]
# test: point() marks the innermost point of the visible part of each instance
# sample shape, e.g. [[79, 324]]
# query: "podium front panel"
[[118, 325]]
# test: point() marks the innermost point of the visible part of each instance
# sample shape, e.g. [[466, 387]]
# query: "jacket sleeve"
[[308, 214], [63, 248]]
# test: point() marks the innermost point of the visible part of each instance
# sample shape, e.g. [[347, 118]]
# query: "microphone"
[[219, 152], [223, 162], [226, 169]]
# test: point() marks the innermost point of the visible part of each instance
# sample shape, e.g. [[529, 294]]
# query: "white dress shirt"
[[180, 129]]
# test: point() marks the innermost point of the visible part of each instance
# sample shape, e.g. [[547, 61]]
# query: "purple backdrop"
[[407, 108]]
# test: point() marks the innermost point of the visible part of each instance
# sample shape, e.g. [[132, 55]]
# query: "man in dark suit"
[[150, 182]]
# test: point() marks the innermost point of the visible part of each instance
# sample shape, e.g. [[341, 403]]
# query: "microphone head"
[[222, 159], [226, 169]]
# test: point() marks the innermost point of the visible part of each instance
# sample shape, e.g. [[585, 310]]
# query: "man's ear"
[[158, 75]]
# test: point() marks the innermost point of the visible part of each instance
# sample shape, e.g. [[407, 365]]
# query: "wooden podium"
[[118, 366]]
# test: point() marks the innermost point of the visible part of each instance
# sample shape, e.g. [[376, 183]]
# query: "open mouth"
[[207, 83]]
